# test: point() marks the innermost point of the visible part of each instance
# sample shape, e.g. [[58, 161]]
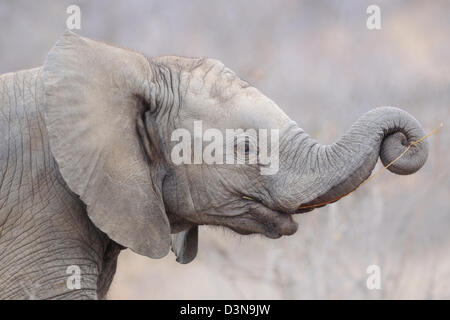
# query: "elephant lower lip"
[[274, 223], [285, 229], [259, 219], [289, 228], [241, 231], [271, 234], [271, 224]]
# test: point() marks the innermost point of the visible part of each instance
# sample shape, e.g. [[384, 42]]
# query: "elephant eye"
[[247, 147], [246, 151], [243, 148]]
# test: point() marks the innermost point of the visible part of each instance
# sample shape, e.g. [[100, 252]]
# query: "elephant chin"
[[262, 220]]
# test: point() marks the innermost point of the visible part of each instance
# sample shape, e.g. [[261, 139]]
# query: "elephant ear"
[[185, 245], [94, 113]]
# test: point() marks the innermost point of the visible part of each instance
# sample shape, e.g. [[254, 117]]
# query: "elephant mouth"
[[262, 220]]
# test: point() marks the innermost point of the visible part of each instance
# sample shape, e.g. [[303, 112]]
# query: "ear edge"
[[61, 54]]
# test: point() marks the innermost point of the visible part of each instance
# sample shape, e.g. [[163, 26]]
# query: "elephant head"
[[111, 115]]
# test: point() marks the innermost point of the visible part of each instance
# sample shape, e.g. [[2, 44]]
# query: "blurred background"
[[319, 62]]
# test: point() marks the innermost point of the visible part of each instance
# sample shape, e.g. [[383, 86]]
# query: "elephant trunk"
[[341, 167]]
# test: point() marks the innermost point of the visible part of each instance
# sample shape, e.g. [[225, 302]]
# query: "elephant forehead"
[[252, 109], [216, 94], [240, 115], [211, 78]]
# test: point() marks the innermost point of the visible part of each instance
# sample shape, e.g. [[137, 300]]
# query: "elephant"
[[86, 166]]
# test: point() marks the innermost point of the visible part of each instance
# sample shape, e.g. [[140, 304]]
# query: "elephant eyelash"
[[246, 148], [248, 156]]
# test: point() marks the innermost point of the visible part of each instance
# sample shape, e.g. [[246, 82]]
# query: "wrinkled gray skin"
[[85, 167]]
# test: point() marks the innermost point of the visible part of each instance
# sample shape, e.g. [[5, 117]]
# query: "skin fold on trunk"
[[341, 167]]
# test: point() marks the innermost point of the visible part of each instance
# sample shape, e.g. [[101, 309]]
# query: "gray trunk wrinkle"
[[342, 166]]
